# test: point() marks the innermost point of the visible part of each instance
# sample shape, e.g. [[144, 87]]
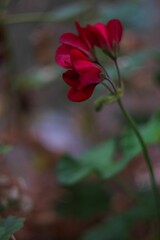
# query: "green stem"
[[145, 153], [118, 72], [109, 89], [107, 78]]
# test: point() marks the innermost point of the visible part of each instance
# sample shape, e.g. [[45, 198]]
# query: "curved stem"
[[145, 153], [113, 86], [109, 89], [103, 68], [107, 78], [118, 72]]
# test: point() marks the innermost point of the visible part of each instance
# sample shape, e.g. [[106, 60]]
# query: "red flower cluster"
[[77, 54]]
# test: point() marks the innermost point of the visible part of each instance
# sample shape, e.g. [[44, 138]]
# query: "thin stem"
[[145, 153], [106, 86], [103, 68], [112, 84], [107, 78], [144, 149], [118, 72]]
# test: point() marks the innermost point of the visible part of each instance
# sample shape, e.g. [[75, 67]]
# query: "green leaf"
[[71, 170], [150, 132], [113, 229], [84, 200], [101, 159], [108, 99], [9, 226], [130, 146], [98, 160]]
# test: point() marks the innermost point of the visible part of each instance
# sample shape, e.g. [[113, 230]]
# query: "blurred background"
[[38, 124]]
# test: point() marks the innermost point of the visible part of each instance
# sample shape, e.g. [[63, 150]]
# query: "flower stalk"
[[118, 73], [147, 159], [145, 152]]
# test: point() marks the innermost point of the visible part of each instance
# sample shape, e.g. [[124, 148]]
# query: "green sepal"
[[108, 99], [108, 53]]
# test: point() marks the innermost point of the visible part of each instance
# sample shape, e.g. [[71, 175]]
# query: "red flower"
[[84, 42], [82, 78], [109, 35], [114, 32], [104, 36], [87, 35], [62, 56], [77, 54]]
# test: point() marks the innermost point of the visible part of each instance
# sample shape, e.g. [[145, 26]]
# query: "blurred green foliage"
[[98, 160], [119, 226], [101, 159], [150, 132], [9, 226], [84, 200]]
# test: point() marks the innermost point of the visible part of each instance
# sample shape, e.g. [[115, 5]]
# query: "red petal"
[[80, 30], [83, 34], [91, 77], [94, 37], [74, 41], [114, 31], [80, 95], [80, 62], [103, 34], [62, 56], [71, 78]]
